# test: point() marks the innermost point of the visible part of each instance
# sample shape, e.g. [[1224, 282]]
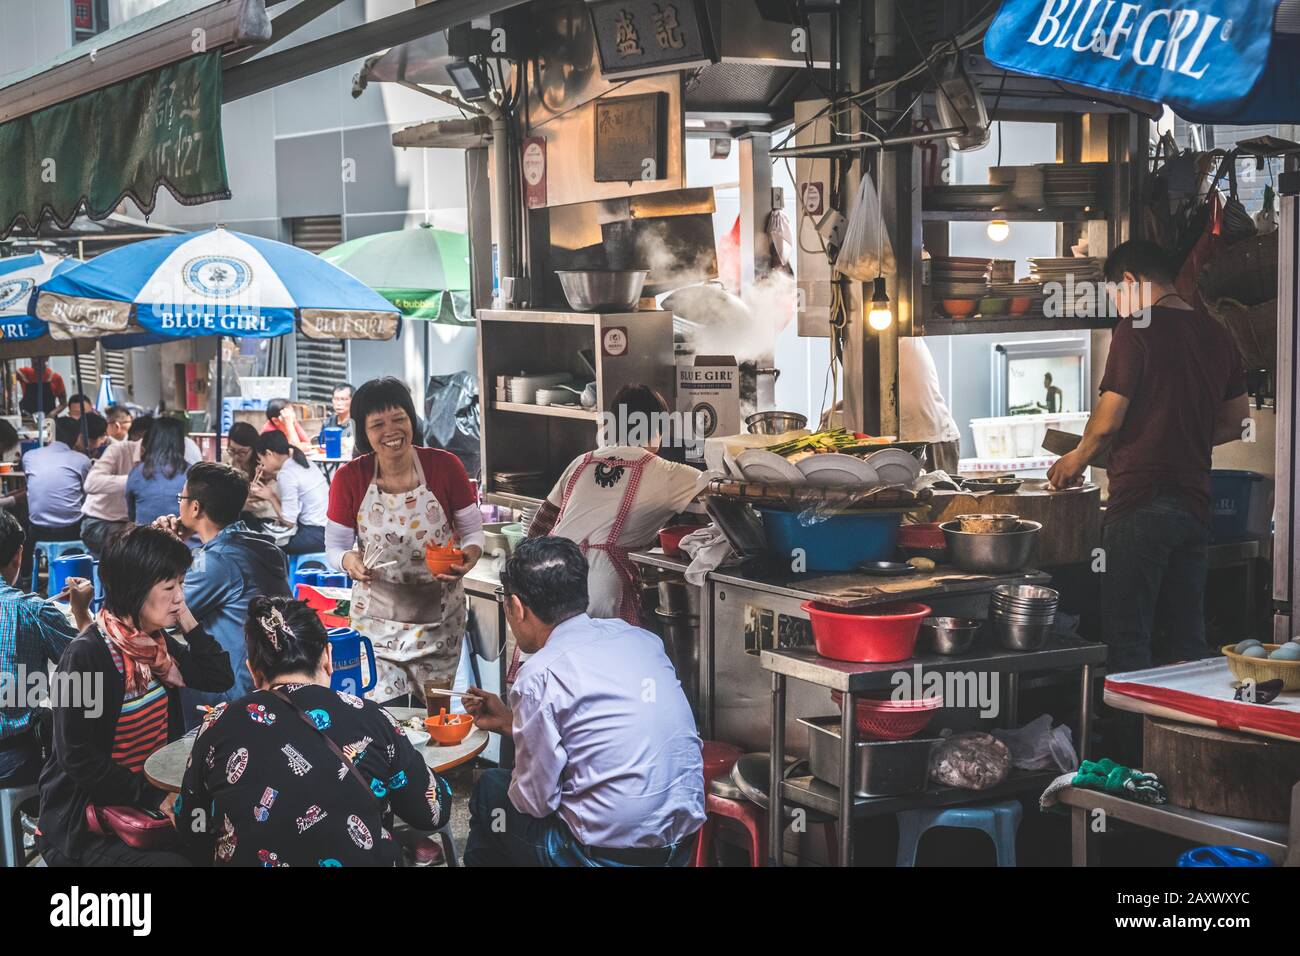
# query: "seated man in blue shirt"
[[608, 765], [33, 633], [233, 566]]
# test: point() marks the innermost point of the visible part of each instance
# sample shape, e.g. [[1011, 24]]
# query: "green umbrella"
[[423, 271]]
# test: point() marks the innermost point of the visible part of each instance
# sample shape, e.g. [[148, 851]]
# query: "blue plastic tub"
[[1231, 492], [837, 543]]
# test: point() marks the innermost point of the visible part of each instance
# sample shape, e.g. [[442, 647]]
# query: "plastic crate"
[[265, 387], [238, 403]]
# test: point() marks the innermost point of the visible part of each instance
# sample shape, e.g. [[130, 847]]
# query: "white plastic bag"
[[866, 251], [1040, 746]]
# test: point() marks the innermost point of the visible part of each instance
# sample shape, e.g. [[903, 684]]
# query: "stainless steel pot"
[[590, 290], [884, 767], [991, 553], [775, 423], [678, 599]]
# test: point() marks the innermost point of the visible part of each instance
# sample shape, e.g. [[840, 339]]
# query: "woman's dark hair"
[[8, 436], [276, 442], [242, 433], [219, 489], [1143, 258], [639, 413], [549, 576], [274, 407], [11, 537], [140, 427], [283, 636], [381, 395], [164, 449], [96, 426], [134, 562]]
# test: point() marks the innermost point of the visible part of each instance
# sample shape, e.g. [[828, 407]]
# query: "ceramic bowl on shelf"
[[992, 305], [959, 308]]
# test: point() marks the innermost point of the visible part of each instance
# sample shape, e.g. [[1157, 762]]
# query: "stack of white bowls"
[[1023, 615]]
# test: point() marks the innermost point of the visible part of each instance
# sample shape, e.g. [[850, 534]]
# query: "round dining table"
[[165, 767]]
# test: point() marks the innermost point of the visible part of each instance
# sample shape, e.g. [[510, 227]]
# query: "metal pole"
[[831, 149], [1286, 540], [848, 773], [776, 774], [76, 370], [1085, 711], [890, 174], [217, 426]]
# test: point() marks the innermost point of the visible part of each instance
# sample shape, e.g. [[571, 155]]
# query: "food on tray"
[[921, 564], [1241, 648], [827, 441]]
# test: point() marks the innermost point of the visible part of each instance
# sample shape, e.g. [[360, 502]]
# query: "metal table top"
[[805, 664], [851, 590]]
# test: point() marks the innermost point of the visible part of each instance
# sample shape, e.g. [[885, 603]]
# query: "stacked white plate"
[[1057, 268], [1072, 184], [958, 277]]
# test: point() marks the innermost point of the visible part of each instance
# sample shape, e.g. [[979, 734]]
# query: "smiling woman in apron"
[[614, 500], [385, 506]]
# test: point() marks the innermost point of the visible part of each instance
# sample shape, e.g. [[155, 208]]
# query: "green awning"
[[89, 153]]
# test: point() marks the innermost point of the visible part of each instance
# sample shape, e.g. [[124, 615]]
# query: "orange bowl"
[[1020, 304], [448, 729], [959, 308], [439, 560], [6, 467]]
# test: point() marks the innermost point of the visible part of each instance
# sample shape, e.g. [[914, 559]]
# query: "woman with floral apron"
[[386, 506], [614, 500]]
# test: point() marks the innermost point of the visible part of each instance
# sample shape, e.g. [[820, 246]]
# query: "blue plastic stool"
[[999, 820], [49, 550], [1223, 856], [314, 560]]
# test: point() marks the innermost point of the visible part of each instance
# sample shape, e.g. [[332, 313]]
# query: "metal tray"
[[885, 768]]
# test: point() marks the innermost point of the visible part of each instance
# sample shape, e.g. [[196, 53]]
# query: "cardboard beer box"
[[708, 396]]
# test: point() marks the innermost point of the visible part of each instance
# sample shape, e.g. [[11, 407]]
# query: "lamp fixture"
[[999, 229], [470, 80], [879, 317]]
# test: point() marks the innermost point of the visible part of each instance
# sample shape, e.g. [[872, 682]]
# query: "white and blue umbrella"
[[215, 282], [19, 277]]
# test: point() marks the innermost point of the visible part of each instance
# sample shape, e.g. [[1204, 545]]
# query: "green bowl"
[[992, 305], [514, 534]]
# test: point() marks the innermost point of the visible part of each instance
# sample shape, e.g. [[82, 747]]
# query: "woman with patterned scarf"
[[122, 677]]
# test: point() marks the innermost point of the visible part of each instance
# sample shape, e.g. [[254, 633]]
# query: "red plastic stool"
[[724, 799], [719, 758]]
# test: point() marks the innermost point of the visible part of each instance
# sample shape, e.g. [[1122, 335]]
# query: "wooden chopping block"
[[1071, 520], [1222, 771]]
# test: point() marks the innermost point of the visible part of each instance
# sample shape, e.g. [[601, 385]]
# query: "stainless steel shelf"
[[549, 411], [1003, 324], [1046, 214], [825, 798]]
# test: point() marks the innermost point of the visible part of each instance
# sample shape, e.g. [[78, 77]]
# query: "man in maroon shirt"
[[1172, 390]]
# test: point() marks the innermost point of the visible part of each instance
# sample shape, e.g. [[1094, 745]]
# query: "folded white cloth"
[[708, 549]]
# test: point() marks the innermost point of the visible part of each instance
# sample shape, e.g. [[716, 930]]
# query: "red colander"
[[892, 719]]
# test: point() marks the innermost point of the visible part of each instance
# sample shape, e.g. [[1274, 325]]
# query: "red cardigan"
[[443, 473]]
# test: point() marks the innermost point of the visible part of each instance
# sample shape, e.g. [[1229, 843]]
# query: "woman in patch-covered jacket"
[[297, 774]]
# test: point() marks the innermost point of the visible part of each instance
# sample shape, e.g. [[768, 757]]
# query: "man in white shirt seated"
[[608, 764]]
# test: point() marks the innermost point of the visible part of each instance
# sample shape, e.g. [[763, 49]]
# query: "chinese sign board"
[[631, 138], [639, 37]]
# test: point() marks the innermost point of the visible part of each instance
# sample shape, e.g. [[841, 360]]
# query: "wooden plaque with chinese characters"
[[639, 37], [631, 138]]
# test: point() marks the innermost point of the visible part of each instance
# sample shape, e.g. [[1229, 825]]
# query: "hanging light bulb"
[[999, 229], [879, 317]]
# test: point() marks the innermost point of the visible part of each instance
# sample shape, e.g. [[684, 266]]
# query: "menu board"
[[639, 37]]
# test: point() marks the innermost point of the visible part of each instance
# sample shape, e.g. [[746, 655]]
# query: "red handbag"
[[138, 829]]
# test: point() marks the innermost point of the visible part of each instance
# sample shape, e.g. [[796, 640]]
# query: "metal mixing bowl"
[[775, 423], [1020, 637], [991, 553], [948, 635], [591, 290]]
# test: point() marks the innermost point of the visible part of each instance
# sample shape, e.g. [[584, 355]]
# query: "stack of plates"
[[1072, 184], [1023, 615], [958, 277], [530, 484], [1056, 269], [966, 197], [526, 516]]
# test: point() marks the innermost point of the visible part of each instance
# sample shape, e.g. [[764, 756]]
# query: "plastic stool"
[[297, 562], [999, 820], [724, 799], [449, 855], [11, 824], [49, 550]]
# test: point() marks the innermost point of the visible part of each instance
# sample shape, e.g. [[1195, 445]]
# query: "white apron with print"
[[410, 616]]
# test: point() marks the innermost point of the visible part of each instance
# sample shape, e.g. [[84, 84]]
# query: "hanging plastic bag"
[[1266, 218], [866, 251], [1040, 746]]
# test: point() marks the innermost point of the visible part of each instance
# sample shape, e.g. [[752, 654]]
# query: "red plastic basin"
[[877, 635], [670, 538]]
